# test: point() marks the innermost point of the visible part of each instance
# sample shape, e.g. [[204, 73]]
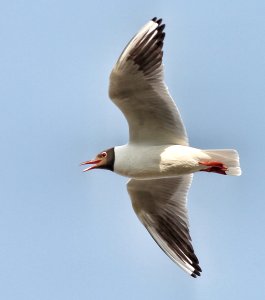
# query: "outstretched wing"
[[137, 87], [160, 204]]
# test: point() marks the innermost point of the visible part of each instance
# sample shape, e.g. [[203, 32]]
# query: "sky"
[[70, 235]]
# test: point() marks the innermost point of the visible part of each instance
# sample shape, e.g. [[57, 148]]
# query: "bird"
[[157, 159]]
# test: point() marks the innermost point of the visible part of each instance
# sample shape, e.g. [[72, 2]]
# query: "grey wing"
[[137, 87], [160, 204]]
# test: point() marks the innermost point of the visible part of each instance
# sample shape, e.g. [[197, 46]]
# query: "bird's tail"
[[224, 161]]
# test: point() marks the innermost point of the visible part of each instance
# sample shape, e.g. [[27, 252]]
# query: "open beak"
[[94, 162]]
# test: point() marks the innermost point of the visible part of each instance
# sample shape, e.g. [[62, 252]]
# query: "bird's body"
[[141, 162], [157, 159]]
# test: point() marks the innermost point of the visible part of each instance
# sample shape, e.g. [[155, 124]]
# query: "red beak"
[[90, 162]]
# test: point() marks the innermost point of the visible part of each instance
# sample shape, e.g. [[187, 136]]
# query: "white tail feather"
[[229, 158]]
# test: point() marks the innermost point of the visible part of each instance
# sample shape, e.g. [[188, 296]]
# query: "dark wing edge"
[[137, 80], [162, 209], [149, 40], [151, 45]]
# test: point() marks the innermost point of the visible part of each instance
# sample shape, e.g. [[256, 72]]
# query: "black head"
[[104, 160]]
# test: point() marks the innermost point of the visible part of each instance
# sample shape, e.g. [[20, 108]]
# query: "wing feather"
[[137, 87], [161, 206]]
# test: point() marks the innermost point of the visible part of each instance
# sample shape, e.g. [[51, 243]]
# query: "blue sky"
[[68, 235]]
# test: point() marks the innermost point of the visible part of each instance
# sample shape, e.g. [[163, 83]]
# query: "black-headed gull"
[[157, 158]]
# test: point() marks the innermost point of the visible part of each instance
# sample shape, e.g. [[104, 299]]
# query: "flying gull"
[[157, 159]]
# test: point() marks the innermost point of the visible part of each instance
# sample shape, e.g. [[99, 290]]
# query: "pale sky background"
[[74, 236]]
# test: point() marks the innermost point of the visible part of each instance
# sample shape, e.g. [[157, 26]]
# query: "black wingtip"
[[161, 27], [147, 53], [158, 21], [196, 273], [199, 268]]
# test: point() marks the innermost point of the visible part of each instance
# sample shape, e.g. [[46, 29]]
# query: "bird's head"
[[104, 160]]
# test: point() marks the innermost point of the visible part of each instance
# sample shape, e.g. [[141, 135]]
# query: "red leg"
[[214, 166]]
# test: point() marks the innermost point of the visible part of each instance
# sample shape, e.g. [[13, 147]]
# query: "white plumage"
[[157, 158]]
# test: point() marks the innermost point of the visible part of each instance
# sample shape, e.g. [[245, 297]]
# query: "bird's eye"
[[104, 154]]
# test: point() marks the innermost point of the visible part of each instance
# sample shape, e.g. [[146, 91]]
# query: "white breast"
[[146, 162], [137, 161]]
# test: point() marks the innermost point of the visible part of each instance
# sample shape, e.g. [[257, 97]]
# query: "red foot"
[[214, 166]]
